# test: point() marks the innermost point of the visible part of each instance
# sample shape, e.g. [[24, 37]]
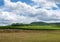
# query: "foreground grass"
[[31, 36]]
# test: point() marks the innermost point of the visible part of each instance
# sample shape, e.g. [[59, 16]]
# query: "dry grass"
[[30, 36]]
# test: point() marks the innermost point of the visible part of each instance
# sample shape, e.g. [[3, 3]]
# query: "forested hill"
[[35, 23], [39, 23], [44, 23]]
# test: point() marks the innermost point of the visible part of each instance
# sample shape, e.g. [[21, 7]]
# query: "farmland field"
[[30, 33], [31, 36]]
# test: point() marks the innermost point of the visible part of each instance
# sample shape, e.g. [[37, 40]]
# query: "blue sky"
[[27, 11], [1, 2], [28, 2]]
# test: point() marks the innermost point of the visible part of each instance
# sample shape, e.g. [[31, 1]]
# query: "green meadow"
[[31, 27]]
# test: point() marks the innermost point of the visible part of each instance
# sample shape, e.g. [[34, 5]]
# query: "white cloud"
[[56, 1], [13, 12], [46, 3]]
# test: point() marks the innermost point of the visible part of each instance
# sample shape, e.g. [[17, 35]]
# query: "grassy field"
[[40, 27], [31, 36], [31, 27]]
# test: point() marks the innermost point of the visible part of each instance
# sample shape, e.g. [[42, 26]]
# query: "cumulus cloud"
[[20, 12], [46, 3]]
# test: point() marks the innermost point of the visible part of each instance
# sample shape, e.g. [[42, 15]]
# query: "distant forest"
[[35, 23]]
